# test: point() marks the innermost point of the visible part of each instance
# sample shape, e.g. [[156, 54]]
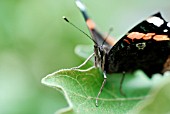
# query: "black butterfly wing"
[[132, 52], [154, 24], [97, 37]]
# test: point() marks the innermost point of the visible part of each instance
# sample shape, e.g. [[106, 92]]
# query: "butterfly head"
[[100, 56]]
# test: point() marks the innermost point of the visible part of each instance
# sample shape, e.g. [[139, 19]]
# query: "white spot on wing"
[[80, 5], [155, 20], [168, 24], [165, 30]]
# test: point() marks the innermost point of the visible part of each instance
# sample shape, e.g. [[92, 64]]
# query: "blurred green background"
[[35, 41]]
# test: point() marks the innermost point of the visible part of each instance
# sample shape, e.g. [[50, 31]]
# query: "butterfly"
[[146, 46]]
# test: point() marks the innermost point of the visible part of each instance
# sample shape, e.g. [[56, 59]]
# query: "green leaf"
[[159, 99], [81, 87]]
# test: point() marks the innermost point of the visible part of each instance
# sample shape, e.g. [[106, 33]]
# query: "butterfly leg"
[[121, 84], [101, 88], [84, 63]]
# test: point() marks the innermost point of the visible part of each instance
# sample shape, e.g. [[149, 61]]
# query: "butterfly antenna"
[[110, 30], [78, 28]]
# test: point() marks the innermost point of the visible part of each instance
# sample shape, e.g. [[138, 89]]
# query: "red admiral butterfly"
[[145, 47]]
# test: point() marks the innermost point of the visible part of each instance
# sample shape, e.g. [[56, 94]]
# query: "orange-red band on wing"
[[148, 36], [138, 35], [90, 24], [127, 41], [135, 35], [161, 37], [110, 41]]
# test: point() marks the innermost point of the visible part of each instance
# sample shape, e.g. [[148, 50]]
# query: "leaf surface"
[[81, 87]]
